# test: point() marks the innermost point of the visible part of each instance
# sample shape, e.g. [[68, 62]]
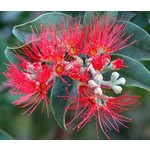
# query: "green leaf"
[[136, 74], [142, 21], [141, 49], [112, 14], [23, 31], [73, 13], [5, 136], [3, 59], [9, 53], [125, 15], [58, 103], [87, 16]]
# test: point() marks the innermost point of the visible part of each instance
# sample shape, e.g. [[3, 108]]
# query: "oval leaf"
[[5, 136], [3, 59], [58, 103], [136, 74], [23, 31], [87, 16], [9, 53], [125, 15], [141, 49]]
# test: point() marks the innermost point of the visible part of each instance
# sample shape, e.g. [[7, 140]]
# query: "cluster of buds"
[[83, 53]]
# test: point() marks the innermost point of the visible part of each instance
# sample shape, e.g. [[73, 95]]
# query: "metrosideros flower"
[[82, 53], [106, 110], [31, 82], [106, 36]]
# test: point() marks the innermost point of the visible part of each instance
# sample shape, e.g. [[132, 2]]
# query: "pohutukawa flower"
[[100, 61], [72, 37], [56, 48], [117, 64], [31, 82], [52, 45], [83, 53], [106, 110], [44, 46], [76, 71], [106, 36]]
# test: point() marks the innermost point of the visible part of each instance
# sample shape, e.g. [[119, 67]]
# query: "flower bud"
[[98, 78], [117, 64], [117, 89], [120, 81], [92, 83], [98, 91], [114, 76], [92, 70]]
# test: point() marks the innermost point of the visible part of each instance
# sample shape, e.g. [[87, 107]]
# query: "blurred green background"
[[38, 126]]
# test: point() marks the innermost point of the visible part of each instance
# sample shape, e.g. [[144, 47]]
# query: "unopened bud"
[[120, 81], [92, 70], [117, 64], [98, 91], [92, 83], [114, 76], [98, 78], [117, 89]]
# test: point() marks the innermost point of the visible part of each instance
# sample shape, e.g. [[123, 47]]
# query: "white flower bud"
[[98, 91], [98, 78], [117, 89], [92, 83], [114, 76], [92, 70], [120, 81]]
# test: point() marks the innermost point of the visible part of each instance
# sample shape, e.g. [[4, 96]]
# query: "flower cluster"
[[83, 53]]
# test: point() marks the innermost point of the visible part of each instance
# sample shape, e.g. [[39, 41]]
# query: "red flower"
[[83, 54], [99, 61], [76, 71], [44, 46], [117, 64], [104, 35], [106, 110], [32, 82], [72, 36], [55, 48], [52, 43]]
